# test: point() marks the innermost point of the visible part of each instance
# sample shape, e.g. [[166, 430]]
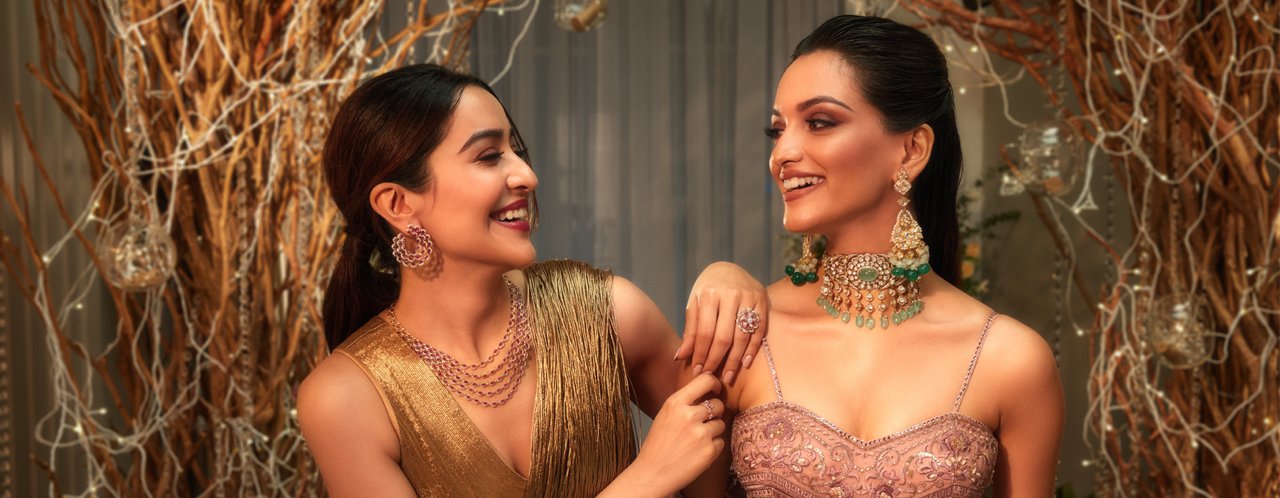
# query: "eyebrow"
[[815, 101], [481, 135]]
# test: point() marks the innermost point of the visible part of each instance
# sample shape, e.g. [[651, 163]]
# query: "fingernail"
[[746, 361], [677, 356], [728, 376], [697, 369]]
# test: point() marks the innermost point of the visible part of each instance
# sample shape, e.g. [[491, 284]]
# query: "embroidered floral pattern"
[[783, 449]]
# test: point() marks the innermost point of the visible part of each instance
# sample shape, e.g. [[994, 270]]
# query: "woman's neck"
[[461, 309], [868, 234], [858, 245]]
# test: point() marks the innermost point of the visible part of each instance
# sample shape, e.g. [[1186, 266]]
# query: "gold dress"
[[582, 430]]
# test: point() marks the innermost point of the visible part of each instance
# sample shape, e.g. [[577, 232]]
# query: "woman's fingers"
[[722, 337], [702, 386], [706, 410], [691, 311], [715, 428], [705, 330], [746, 331]]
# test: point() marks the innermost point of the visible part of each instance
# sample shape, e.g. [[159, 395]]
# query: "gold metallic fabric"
[[583, 436], [582, 430]]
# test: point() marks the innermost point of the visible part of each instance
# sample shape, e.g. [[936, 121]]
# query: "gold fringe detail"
[[586, 436]]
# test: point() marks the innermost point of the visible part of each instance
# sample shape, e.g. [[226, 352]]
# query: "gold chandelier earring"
[[805, 268], [910, 255]]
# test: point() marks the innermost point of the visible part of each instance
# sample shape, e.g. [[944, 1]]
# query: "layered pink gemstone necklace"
[[484, 383]]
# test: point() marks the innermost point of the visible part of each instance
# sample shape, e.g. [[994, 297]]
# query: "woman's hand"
[[686, 437], [713, 341]]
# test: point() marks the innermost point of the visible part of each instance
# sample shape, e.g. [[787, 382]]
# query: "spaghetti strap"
[[773, 371], [972, 362]]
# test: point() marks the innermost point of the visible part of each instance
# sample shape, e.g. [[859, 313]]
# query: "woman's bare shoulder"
[[339, 398], [1026, 363], [349, 431], [337, 376]]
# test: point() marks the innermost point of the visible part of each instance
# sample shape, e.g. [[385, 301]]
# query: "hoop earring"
[[420, 255], [910, 255], [805, 269]]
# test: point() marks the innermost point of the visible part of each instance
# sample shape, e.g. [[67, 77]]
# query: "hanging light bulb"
[[1052, 157], [1176, 330], [138, 253], [581, 15]]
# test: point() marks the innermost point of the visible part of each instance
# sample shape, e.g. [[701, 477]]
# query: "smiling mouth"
[[512, 215], [800, 182]]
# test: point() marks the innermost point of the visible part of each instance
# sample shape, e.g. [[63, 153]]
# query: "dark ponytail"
[[356, 291], [383, 132], [903, 74]]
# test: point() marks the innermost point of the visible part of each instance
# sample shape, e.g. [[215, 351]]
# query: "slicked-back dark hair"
[[383, 132], [903, 74]]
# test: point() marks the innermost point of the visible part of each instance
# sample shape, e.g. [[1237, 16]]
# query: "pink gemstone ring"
[[748, 320]]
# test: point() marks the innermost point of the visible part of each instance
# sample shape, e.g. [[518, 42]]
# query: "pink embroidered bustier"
[[781, 449]]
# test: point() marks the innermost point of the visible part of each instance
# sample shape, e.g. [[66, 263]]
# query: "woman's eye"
[[773, 132], [818, 124], [491, 158]]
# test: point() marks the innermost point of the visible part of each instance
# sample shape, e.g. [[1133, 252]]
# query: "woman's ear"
[[917, 146], [394, 203]]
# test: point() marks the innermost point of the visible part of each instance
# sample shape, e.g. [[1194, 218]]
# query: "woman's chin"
[[798, 223], [525, 257]]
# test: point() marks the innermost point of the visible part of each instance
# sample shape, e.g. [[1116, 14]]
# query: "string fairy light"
[[6, 405], [1179, 100]]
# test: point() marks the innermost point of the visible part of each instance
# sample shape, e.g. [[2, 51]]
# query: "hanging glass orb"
[[581, 15], [1176, 330], [138, 254], [867, 7], [1052, 157], [1010, 185]]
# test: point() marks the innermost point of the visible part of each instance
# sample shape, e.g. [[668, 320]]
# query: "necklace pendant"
[[869, 289]]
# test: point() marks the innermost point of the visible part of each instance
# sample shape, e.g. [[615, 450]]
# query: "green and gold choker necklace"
[[868, 288]]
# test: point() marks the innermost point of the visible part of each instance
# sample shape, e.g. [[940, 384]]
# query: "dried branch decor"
[[1182, 100], [203, 122]]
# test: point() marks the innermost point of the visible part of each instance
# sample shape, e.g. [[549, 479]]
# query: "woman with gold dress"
[[463, 368]]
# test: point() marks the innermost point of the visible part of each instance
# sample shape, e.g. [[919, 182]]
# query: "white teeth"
[[514, 214], [800, 181]]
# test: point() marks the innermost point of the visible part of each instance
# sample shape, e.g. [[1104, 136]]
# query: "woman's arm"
[[682, 442], [648, 344], [713, 482], [1031, 410], [346, 427]]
